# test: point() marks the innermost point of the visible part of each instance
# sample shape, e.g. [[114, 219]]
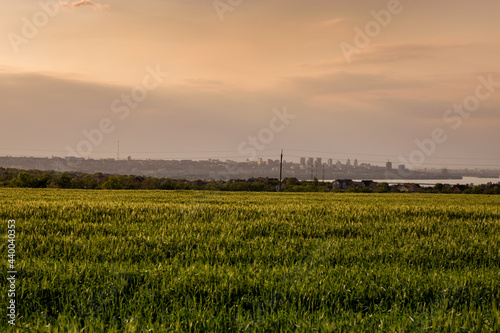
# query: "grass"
[[121, 261]]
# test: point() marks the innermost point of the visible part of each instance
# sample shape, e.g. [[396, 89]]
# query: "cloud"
[[203, 82], [332, 21], [345, 82], [389, 53], [84, 3], [331, 110], [188, 117]]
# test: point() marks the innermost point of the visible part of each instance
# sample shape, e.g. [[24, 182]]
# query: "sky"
[[413, 82]]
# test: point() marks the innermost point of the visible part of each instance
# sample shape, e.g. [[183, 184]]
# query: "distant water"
[[432, 182]]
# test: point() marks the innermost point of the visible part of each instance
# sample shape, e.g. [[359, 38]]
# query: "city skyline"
[[303, 167]]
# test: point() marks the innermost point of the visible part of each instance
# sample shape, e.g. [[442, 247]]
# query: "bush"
[[113, 183], [63, 181], [25, 179]]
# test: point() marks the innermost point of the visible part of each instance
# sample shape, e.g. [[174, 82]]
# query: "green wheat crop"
[[103, 261]]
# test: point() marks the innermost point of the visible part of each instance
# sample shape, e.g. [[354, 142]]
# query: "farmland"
[[253, 262]]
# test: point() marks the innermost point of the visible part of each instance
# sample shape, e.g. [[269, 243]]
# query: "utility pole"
[[281, 170]]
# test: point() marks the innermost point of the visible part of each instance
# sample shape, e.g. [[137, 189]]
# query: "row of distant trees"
[[77, 180], [438, 188]]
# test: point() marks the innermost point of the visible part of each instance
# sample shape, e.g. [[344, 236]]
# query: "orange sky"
[[62, 67]]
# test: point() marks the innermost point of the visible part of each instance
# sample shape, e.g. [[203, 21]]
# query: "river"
[[432, 182]]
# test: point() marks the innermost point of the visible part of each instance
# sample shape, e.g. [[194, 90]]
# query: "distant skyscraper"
[[310, 161], [388, 166], [318, 162], [330, 162], [303, 161], [348, 163], [356, 163], [259, 161]]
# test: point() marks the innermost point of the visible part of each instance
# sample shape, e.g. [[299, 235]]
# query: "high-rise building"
[[303, 161], [401, 168], [310, 161], [356, 163], [318, 162], [330, 162], [388, 166]]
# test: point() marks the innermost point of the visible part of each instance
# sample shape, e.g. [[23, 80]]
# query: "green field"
[[252, 262]]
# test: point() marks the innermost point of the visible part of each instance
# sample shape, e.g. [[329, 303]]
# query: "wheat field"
[[188, 261]]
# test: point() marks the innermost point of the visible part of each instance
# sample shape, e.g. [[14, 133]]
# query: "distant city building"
[[408, 188], [342, 184], [356, 163], [348, 163], [401, 168], [330, 162], [369, 184], [227, 169], [302, 161], [259, 161], [318, 162]]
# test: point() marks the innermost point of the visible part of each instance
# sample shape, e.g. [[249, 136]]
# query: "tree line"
[[77, 180]]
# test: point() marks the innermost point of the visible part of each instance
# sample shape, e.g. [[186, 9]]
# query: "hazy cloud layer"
[[225, 77], [198, 116], [84, 3]]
